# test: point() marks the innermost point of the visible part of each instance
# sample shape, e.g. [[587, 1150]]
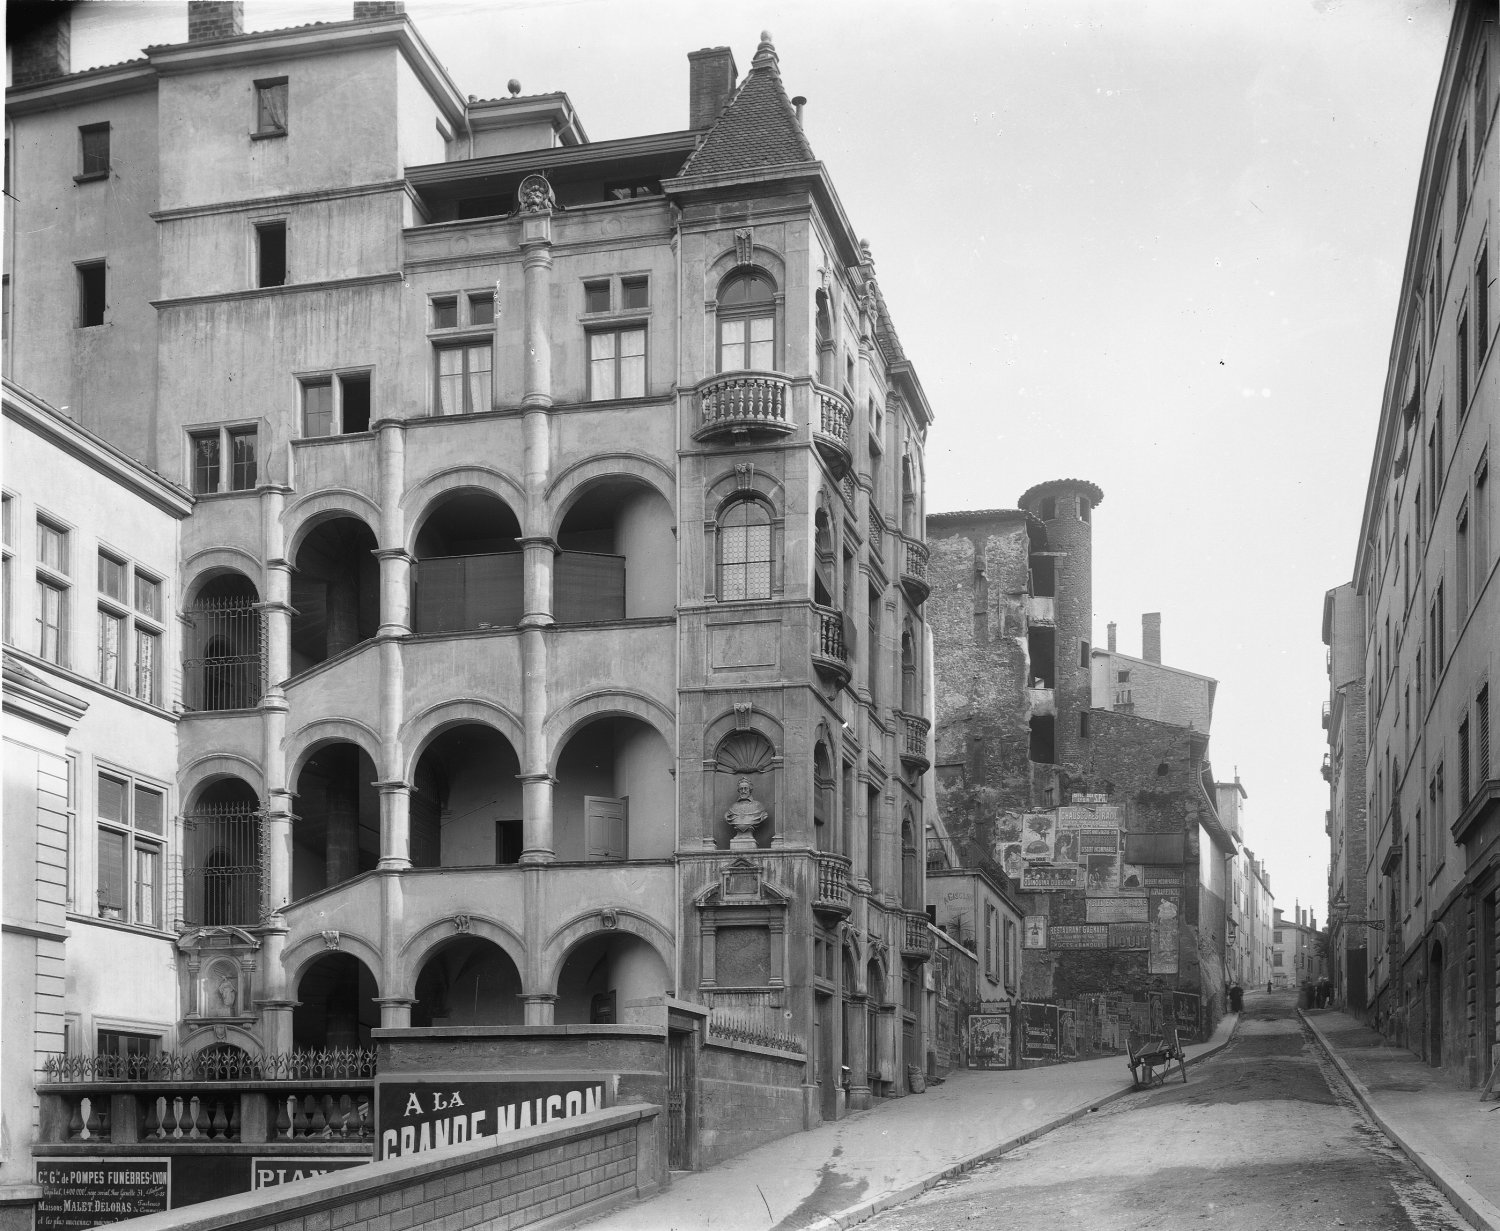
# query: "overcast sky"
[[1152, 243]]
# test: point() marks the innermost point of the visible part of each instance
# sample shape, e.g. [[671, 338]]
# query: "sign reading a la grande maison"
[[412, 1117], [87, 1192]]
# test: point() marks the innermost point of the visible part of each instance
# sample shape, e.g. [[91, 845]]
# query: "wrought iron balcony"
[[832, 897], [743, 403], [832, 420], [917, 943], [914, 570], [830, 653], [914, 743], [1327, 714]]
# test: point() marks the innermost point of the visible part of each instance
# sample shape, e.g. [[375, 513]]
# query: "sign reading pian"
[[414, 1116]]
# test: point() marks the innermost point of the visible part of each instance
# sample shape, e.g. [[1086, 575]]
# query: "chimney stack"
[[711, 78], [1111, 636], [43, 51], [366, 10], [1151, 636], [211, 19]]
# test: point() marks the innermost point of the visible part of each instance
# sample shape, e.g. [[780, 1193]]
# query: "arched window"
[[747, 322], [745, 551]]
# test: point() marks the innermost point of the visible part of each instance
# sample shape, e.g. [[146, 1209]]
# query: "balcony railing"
[[742, 402], [914, 743], [754, 1017], [831, 429], [914, 570], [830, 653], [917, 942], [228, 669], [833, 884]]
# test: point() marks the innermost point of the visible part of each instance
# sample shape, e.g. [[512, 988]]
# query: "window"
[[1435, 463], [127, 1045], [991, 941], [1482, 733], [635, 293], [129, 648], [7, 511], [1462, 162], [464, 378], [1461, 362], [1463, 762], [1482, 520], [1461, 565], [596, 296], [745, 552], [271, 107], [335, 405], [270, 253], [207, 451], [1481, 304], [617, 364], [1481, 99], [445, 313], [747, 323], [132, 834], [52, 587], [1083, 653], [1438, 657], [482, 309], [93, 151], [91, 296]]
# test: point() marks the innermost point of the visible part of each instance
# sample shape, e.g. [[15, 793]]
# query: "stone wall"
[[747, 1096], [511, 1181]]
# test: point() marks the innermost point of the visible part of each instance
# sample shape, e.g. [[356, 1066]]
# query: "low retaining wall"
[[500, 1183], [747, 1096]]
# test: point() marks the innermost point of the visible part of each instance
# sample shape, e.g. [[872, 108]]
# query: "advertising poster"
[[1067, 1034], [1185, 1010], [1036, 838], [1130, 936], [1038, 1031], [1065, 848], [1132, 877], [1116, 910], [1035, 877], [78, 1193], [1079, 936], [1153, 874], [1163, 959], [1103, 871], [989, 1041], [1034, 934], [274, 1172], [1011, 861], [1099, 841], [412, 1117]]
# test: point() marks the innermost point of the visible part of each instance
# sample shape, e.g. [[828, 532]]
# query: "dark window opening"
[[1049, 509], [596, 296], [91, 298], [445, 313], [271, 253], [356, 391], [635, 293], [1085, 509], [93, 143], [271, 107], [241, 458], [1043, 576], [1043, 750], [481, 309], [1083, 726], [1041, 645], [508, 841], [483, 207], [205, 461], [1083, 653]]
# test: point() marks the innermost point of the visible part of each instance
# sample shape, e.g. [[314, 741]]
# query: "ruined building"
[[551, 694], [1083, 773]]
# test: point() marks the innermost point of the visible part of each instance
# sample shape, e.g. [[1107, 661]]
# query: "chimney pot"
[[799, 102], [1111, 636], [711, 79], [211, 19], [1151, 636]]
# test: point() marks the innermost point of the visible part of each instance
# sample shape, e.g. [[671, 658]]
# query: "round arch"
[[201, 1039], [203, 772], [305, 515], [300, 956], [766, 262], [420, 499], [565, 722], [760, 721], [306, 740], [212, 563], [567, 485], [557, 948], [424, 943], [418, 731]]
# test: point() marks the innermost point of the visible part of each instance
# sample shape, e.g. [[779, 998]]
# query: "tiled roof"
[[1094, 494], [758, 128]]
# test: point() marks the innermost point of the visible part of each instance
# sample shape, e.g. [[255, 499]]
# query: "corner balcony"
[[735, 405], [832, 425], [914, 570], [917, 940], [830, 654], [914, 743], [832, 897]]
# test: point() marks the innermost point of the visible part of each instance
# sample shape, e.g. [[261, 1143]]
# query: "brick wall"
[[209, 19], [494, 1182], [364, 10], [41, 52]]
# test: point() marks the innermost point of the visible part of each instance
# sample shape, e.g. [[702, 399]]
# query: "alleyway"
[[1263, 1136]]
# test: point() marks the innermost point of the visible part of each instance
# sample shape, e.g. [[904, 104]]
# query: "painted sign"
[[1034, 934], [1130, 936], [1089, 818], [1132, 877], [1099, 841], [415, 1116], [1185, 1012], [274, 1172], [1079, 936], [1115, 910], [87, 1192], [1035, 877], [989, 1041], [1158, 875], [1038, 1031], [1036, 837], [1011, 861]]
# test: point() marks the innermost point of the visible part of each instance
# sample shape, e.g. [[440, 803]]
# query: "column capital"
[[536, 401], [394, 553], [395, 1001], [392, 785], [538, 540]]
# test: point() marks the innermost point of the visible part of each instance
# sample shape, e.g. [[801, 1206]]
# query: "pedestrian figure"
[[1268, 987]]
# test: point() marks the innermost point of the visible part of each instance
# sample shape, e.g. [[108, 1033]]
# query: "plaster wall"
[[1161, 693]]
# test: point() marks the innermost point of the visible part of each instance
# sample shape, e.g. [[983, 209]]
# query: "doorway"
[[1435, 1006], [679, 1099]]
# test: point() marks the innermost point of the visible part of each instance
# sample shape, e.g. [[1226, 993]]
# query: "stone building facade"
[[553, 593], [1425, 582], [1346, 822]]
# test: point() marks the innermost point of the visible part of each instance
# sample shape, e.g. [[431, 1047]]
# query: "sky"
[[1156, 244]]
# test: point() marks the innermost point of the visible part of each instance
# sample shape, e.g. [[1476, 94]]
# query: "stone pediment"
[[221, 937], [742, 883]]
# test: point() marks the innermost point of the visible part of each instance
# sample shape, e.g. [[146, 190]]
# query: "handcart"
[[1151, 1057]]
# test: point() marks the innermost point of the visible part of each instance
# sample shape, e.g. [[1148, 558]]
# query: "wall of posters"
[[1039, 877], [1132, 877], [1115, 910], [1185, 1011], [1067, 1034], [1011, 861], [1066, 846], [1038, 1031], [78, 1193], [1036, 837], [1156, 875], [1130, 936], [989, 1041]]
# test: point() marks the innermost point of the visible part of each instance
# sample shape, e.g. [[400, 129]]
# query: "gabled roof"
[[758, 127]]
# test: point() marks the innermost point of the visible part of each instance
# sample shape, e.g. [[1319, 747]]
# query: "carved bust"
[[535, 195], [745, 814]]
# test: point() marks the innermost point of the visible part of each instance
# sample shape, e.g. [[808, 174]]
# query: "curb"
[[868, 1209], [1477, 1209]]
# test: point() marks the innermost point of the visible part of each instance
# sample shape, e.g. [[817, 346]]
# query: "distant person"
[[1268, 987]]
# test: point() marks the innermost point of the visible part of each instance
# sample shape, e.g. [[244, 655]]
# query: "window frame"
[[84, 271], [85, 131], [54, 577], [264, 88], [261, 228], [768, 309], [226, 467], [134, 622], [464, 335], [8, 504], [728, 510], [335, 382], [618, 332], [136, 840]]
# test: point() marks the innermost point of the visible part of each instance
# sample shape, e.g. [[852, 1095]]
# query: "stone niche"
[[220, 974]]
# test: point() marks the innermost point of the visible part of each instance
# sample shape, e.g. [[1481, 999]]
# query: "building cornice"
[[278, 202], [27, 694]]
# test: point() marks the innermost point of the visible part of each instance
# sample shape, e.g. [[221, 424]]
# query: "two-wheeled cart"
[[1152, 1055]]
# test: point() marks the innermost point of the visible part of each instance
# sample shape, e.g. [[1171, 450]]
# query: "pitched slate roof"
[[758, 127]]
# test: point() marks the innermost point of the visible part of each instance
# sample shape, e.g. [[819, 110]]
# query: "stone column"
[[275, 606], [856, 1050], [540, 1007], [395, 560], [395, 825], [395, 1012]]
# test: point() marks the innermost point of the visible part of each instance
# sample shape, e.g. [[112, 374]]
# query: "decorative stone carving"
[[744, 245], [745, 815], [535, 195], [744, 473], [226, 994], [742, 715], [462, 924], [609, 919], [221, 1033], [332, 939]]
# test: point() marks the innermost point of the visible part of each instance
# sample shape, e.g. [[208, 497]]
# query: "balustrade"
[[739, 402]]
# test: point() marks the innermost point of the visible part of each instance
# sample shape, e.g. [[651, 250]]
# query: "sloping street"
[[1263, 1135]]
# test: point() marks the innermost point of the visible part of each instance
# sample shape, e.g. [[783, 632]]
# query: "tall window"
[[93, 151], [1463, 762], [129, 648], [1481, 521], [1461, 362], [270, 253], [617, 363], [92, 300], [132, 835], [747, 323], [1482, 304], [1482, 732], [745, 551], [52, 590], [1461, 565], [460, 328], [271, 107], [7, 542], [1463, 180], [223, 459]]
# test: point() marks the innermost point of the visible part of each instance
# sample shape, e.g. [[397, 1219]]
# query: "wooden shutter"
[[604, 827], [588, 586], [440, 595]]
